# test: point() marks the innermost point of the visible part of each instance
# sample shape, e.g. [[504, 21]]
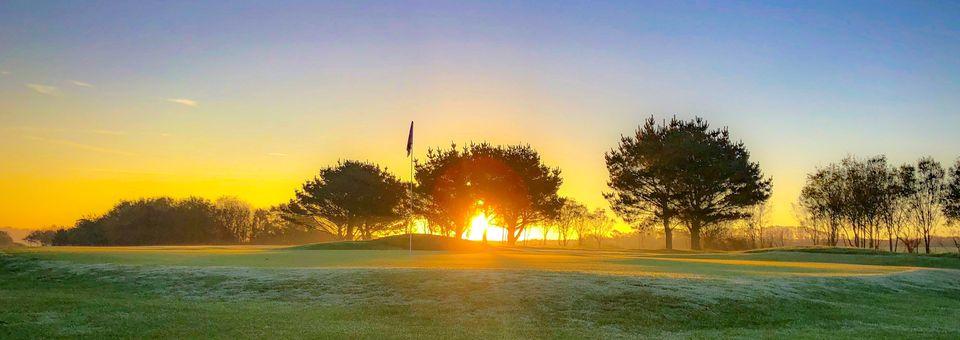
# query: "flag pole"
[[410, 189], [410, 186]]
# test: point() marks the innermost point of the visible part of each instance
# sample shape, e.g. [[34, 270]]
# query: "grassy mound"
[[399, 242]]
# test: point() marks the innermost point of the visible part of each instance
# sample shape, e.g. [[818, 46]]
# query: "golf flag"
[[410, 140]]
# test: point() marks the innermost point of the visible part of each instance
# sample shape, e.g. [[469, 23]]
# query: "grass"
[[230, 292], [862, 256], [400, 242]]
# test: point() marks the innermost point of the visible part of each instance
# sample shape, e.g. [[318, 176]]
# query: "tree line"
[[678, 173], [164, 220], [667, 175], [869, 203]]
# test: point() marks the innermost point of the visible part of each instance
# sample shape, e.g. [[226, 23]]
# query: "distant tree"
[[350, 200], [642, 227], [863, 187], [951, 203], [265, 225], [777, 236], [810, 227], [823, 197], [756, 224], [164, 220], [864, 200], [268, 226], [894, 211], [925, 196], [42, 237], [5, 239], [236, 216], [572, 219], [601, 225]]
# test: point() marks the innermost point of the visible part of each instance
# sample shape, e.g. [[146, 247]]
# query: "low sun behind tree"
[[508, 183]]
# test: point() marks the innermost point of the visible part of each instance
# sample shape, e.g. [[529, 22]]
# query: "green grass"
[[400, 242], [231, 292], [861, 256]]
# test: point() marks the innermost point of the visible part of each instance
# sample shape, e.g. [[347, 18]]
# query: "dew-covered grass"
[[231, 292]]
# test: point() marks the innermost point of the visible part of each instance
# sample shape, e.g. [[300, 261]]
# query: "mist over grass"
[[228, 292]]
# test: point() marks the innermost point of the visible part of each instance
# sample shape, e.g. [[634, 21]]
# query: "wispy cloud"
[[43, 89], [183, 101], [80, 146], [80, 83], [277, 154], [4, 72], [166, 134]]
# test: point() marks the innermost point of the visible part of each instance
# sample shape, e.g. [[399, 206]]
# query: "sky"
[[103, 101]]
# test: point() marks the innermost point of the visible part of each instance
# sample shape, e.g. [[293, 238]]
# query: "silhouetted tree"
[[951, 203], [352, 199], [445, 192], [823, 196], [509, 183], [864, 189], [516, 187], [601, 225], [809, 226], [268, 226], [925, 197], [42, 237], [861, 201], [236, 216], [894, 211], [756, 224], [951, 200], [5, 239], [643, 177], [572, 219], [716, 179], [683, 169], [164, 220]]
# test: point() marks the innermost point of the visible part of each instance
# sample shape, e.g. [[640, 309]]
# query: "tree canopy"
[[350, 200], [509, 183], [951, 201], [684, 169]]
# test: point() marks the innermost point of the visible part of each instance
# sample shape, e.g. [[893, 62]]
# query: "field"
[[247, 291]]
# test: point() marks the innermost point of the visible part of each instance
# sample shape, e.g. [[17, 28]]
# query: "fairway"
[[247, 291]]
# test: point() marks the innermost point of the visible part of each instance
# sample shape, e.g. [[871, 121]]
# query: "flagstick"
[[410, 188], [410, 225]]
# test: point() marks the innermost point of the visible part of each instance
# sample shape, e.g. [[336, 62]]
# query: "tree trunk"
[[668, 234], [512, 235], [695, 236]]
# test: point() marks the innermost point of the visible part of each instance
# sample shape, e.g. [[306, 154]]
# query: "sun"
[[480, 223]]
